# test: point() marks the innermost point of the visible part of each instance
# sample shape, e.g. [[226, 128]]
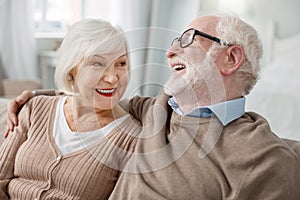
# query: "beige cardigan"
[[32, 167], [247, 162]]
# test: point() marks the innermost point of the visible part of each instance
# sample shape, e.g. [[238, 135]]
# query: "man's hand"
[[13, 108]]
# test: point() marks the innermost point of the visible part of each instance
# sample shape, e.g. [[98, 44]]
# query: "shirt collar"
[[226, 112]]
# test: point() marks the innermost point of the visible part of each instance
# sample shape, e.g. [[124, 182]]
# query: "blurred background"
[[31, 32]]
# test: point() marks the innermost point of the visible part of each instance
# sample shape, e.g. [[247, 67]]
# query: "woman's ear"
[[70, 77], [72, 74], [234, 59]]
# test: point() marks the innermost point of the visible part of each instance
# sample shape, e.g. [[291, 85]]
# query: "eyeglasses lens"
[[187, 38]]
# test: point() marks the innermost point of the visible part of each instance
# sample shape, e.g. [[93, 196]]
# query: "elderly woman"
[[73, 147]]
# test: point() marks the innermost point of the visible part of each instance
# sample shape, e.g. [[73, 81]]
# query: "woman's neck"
[[82, 118]]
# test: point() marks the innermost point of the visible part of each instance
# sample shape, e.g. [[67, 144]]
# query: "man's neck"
[[187, 103]]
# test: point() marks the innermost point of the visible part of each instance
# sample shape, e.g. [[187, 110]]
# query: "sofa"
[[3, 103], [10, 88], [295, 145]]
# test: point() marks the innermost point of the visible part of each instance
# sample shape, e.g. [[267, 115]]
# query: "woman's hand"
[[13, 108]]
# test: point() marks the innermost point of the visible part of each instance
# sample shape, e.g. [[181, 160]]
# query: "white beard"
[[200, 85]]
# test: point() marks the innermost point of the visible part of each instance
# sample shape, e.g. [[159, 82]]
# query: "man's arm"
[[275, 177], [16, 104], [150, 111], [139, 106]]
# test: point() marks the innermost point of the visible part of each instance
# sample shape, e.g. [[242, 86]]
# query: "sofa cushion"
[[3, 106], [10, 88]]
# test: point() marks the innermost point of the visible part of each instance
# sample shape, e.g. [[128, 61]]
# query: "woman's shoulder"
[[43, 103], [44, 99]]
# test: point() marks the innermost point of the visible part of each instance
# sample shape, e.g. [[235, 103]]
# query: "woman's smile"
[[107, 92]]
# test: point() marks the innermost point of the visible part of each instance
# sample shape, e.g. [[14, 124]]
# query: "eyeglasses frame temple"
[[218, 40]]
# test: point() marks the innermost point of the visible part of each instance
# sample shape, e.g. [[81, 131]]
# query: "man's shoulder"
[[252, 132], [250, 121]]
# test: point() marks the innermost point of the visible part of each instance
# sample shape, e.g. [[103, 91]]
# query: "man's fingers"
[[7, 131], [12, 110], [9, 128], [14, 121]]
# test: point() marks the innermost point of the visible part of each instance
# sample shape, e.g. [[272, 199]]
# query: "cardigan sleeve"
[[275, 177], [9, 149]]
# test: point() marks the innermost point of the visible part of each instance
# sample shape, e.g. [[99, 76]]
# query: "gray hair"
[[233, 30], [84, 39]]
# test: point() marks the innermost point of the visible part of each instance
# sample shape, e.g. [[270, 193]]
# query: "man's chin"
[[167, 91], [175, 85], [173, 90]]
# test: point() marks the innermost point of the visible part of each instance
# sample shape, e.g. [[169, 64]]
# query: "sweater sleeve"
[[275, 177], [9, 149], [139, 106], [144, 107]]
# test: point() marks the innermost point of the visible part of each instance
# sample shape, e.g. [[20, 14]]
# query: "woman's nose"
[[110, 75]]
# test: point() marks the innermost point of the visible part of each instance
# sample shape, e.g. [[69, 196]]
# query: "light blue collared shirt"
[[226, 111]]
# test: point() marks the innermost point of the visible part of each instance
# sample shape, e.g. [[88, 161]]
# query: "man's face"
[[193, 78], [193, 68]]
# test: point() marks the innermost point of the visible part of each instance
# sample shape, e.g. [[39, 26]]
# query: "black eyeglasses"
[[187, 38]]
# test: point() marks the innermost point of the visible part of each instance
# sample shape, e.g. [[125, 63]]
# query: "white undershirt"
[[68, 141]]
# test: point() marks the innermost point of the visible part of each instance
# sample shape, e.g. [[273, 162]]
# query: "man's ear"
[[234, 58]]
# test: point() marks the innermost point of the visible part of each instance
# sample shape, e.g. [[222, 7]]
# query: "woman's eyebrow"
[[97, 56], [103, 57]]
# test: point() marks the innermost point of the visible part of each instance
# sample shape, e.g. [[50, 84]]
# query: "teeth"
[[106, 91], [178, 67]]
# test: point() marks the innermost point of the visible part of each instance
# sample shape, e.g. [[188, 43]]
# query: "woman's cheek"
[[88, 78]]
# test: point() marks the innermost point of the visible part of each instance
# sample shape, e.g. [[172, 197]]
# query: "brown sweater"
[[32, 167], [247, 160]]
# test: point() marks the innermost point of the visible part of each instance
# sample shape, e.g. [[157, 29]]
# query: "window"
[[56, 15]]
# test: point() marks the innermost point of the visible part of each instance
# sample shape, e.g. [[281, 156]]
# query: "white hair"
[[233, 30], [84, 39]]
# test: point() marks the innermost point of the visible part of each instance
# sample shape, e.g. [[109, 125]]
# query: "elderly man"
[[197, 140], [207, 147]]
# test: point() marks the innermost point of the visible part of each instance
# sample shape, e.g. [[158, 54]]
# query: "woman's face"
[[101, 80]]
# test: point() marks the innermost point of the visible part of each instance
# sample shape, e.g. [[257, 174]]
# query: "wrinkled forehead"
[[109, 56], [206, 24]]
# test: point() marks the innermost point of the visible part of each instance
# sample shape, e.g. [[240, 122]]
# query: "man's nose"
[[175, 49]]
